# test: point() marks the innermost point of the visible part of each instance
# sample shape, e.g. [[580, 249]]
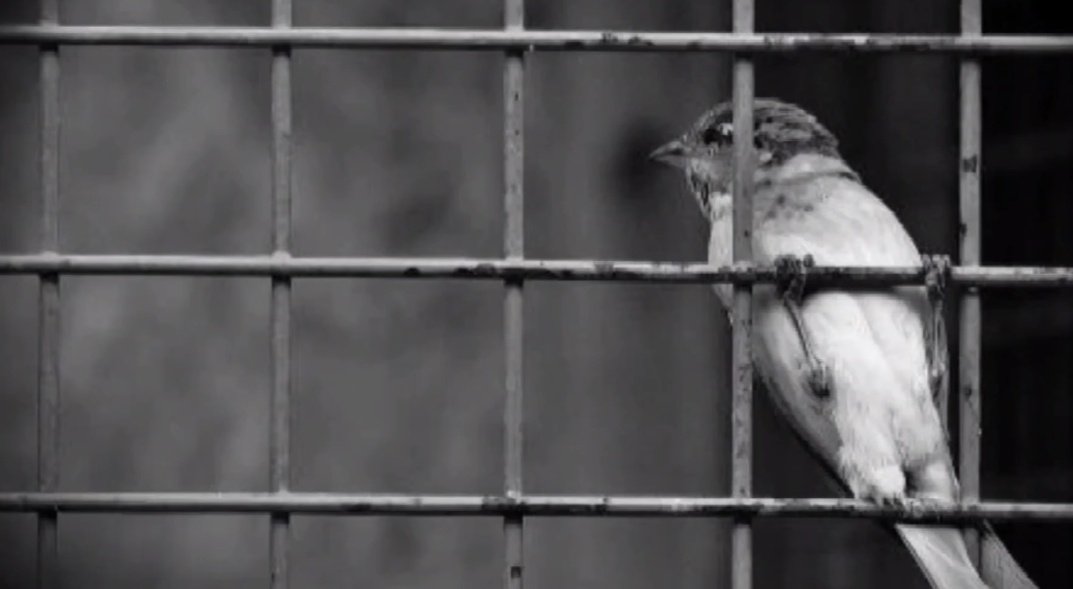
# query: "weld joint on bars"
[[529, 505], [529, 40], [513, 269]]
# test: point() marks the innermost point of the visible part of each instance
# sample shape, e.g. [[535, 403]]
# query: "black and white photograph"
[[542, 294]]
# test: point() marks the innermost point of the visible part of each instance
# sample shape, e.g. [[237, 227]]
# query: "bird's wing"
[[941, 554], [874, 338], [839, 222], [872, 344], [999, 566]]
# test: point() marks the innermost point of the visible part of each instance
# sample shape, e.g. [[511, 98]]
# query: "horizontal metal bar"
[[529, 40], [527, 505], [499, 269]]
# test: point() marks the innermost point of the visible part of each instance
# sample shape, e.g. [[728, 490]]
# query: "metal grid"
[[513, 505]]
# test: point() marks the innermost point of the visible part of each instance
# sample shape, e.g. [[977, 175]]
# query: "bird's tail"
[[998, 564], [941, 554]]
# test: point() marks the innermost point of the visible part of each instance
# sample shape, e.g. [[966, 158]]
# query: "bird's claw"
[[936, 273], [791, 274], [894, 501], [884, 485], [819, 379]]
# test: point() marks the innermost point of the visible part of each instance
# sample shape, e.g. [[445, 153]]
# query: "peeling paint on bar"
[[743, 83], [532, 505], [530, 40], [514, 293], [502, 269], [970, 139]]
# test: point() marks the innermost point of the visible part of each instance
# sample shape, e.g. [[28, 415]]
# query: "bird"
[[854, 371]]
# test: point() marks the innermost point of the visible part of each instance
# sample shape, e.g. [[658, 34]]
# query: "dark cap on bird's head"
[[780, 131]]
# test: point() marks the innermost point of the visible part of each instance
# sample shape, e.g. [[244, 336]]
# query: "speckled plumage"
[[879, 429], [780, 128]]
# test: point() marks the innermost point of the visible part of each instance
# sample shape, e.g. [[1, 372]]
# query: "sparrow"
[[855, 371]]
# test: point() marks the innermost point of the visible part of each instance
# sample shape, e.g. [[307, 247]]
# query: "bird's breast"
[[720, 243]]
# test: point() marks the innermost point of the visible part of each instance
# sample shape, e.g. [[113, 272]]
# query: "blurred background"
[[398, 385]]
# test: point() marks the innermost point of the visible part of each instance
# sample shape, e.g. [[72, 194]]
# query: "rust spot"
[[970, 165]]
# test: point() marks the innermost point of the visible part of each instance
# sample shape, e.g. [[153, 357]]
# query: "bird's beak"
[[672, 153]]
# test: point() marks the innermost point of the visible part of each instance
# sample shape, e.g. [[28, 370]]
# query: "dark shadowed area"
[[398, 385]]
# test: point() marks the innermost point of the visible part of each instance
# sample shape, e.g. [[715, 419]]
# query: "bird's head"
[[781, 131]]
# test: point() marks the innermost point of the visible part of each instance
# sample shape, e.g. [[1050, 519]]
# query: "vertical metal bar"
[[741, 348], [48, 361], [279, 436], [514, 248], [969, 322]]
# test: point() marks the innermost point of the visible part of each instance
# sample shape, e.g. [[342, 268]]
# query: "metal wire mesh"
[[514, 269]]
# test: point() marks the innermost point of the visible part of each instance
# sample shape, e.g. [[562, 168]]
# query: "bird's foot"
[[791, 276], [936, 273], [884, 485]]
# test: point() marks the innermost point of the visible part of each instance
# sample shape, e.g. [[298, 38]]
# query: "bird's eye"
[[721, 134]]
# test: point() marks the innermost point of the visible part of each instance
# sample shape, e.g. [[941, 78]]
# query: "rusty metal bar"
[[969, 309], [280, 404], [503, 269], [530, 40], [741, 418], [513, 302], [48, 359], [528, 505]]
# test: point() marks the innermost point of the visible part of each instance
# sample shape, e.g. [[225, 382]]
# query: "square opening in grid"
[[165, 384], [165, 151], [626, 390], [398, 386], [383, 168]]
